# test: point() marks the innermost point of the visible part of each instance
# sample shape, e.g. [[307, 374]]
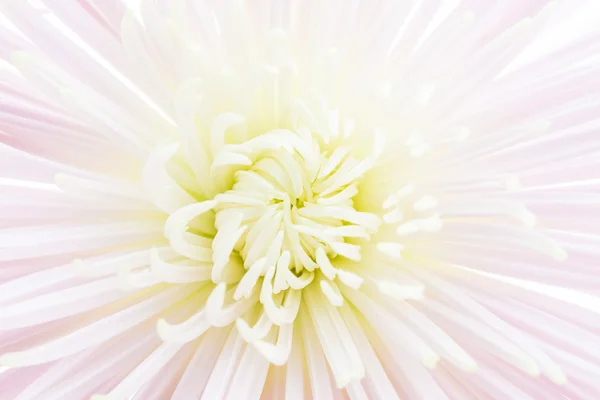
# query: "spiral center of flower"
[[290, 212], [264, 221]]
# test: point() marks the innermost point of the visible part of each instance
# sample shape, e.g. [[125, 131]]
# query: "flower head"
[[248, 199]]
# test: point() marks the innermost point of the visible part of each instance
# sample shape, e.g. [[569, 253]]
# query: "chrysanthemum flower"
[[295, 199]]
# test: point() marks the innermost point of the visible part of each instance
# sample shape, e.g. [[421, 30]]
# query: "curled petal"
[[219, 315], [279, 353], [185, 331], [176, 227], [260, 329], [279, 314], [181, 272]]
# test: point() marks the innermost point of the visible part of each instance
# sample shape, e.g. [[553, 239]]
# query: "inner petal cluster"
[[281, 219], [293, 211]]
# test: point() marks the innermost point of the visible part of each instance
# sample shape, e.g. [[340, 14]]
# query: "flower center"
[[290, 212], [270, 215]]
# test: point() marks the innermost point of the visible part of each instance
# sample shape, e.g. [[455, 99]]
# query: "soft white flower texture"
[[306, 196], [269, 216]]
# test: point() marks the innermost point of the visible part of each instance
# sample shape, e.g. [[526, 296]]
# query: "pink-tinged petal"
[[143, 372], [97, 332], [12, 383], [224, 368], [198, 370], [60, 304], [17, 242], [106, 12], [129, 350], [318, 374], [56, 372], [75, 61], [378, 384]]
